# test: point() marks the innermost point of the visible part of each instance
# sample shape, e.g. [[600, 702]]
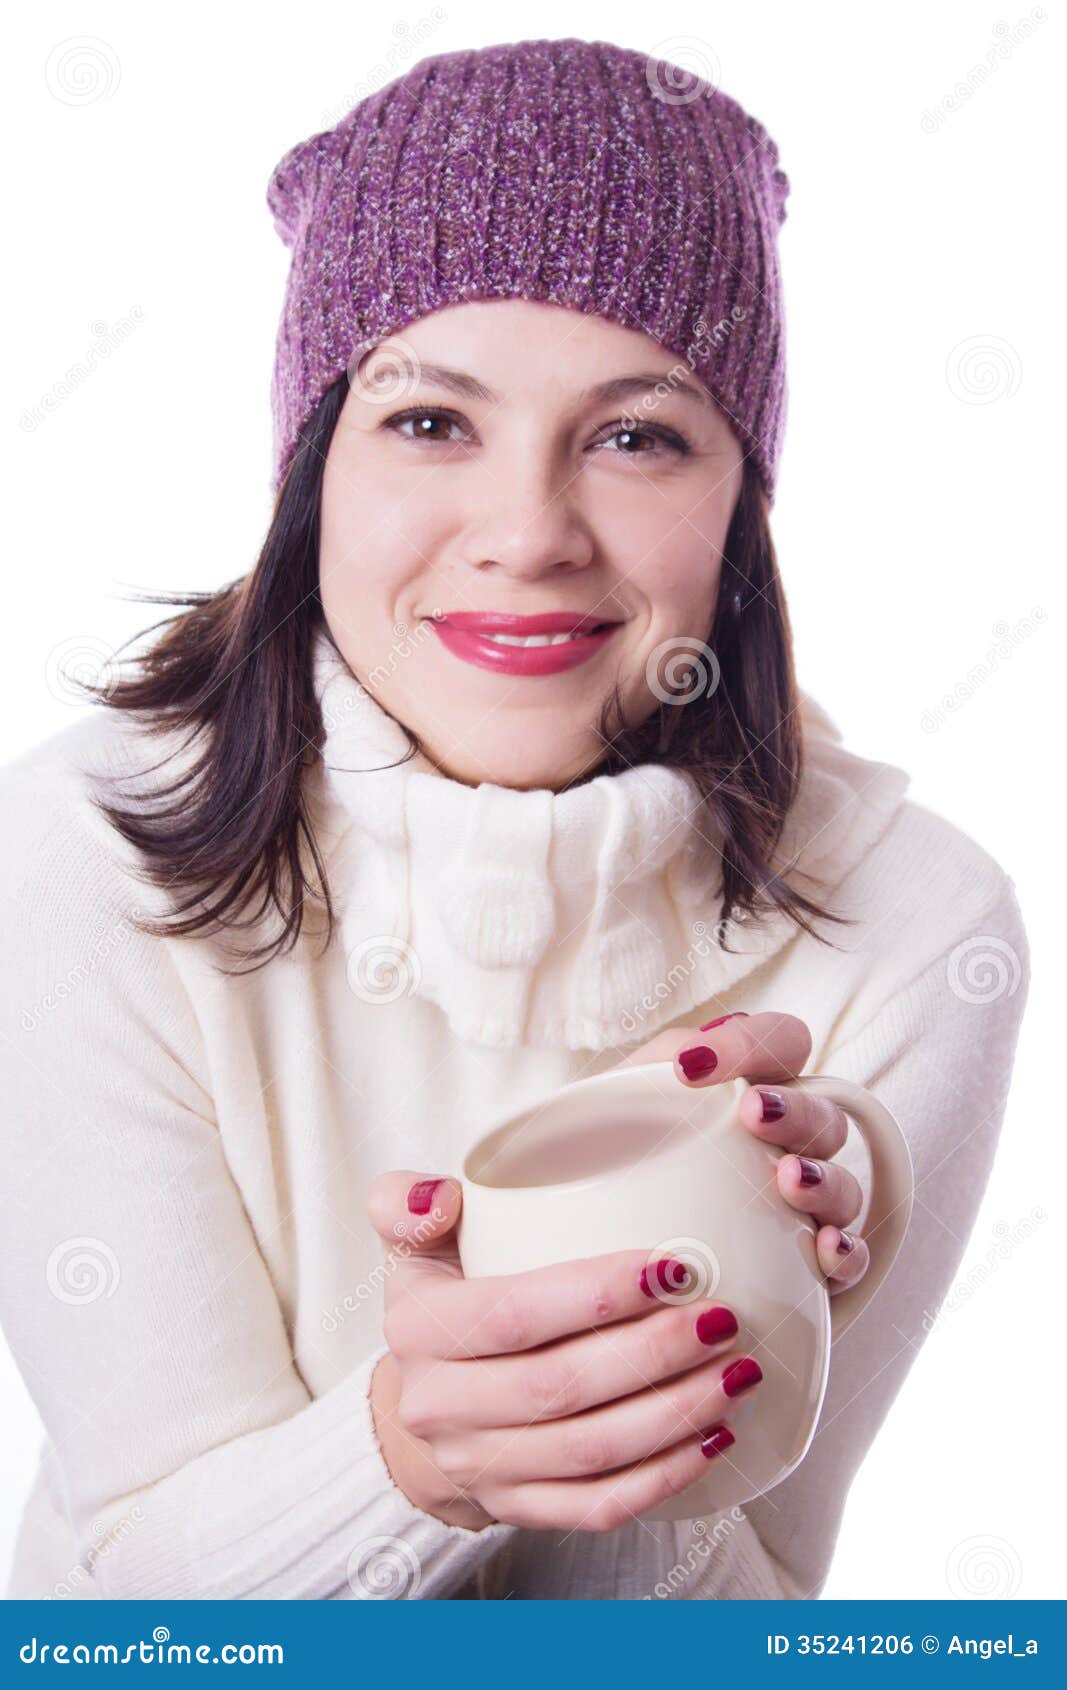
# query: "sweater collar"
[[583, 919]]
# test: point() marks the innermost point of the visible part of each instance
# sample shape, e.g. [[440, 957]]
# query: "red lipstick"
[[465, 634]]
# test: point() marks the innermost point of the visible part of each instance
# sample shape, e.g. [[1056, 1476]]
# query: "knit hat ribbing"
[[572, 172]]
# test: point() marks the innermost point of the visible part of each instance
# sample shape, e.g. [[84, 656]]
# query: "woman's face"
[[498, 484]]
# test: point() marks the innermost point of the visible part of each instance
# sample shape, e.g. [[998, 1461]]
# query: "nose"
[[528, 524]]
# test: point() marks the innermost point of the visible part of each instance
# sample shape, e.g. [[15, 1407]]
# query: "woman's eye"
[[441, 418], [658, 439]]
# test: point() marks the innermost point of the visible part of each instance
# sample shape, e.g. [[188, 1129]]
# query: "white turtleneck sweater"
[[188, 1281]]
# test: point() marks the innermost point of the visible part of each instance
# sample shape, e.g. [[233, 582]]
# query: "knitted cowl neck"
[[584, 918]]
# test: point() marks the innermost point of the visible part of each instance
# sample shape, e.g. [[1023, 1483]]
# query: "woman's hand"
[[566, 1398], [762, 1049]]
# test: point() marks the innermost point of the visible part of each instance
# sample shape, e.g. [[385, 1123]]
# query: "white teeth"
[[531, 639]]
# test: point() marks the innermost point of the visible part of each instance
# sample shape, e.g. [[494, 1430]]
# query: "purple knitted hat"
[[573, 172]]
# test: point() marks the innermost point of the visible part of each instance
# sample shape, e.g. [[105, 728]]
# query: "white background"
[[915, 519]]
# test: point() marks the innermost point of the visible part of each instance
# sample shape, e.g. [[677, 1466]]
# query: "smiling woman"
[[509, 697]]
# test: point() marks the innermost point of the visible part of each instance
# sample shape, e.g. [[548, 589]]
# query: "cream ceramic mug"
[[633, 1159]]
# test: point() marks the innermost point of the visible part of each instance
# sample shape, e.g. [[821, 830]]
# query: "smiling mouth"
[[545, 644], [543, 639]]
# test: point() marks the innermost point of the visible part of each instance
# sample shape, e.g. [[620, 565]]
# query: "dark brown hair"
[[234, 674]]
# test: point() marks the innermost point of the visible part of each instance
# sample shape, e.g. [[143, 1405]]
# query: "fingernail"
[[696, 1061], [741, 1376], [845, 1244], [713, 1325], [734, 1015], [669, 1275], [810, 1172], [771, 1105], [421, 1195], [716, 1440]]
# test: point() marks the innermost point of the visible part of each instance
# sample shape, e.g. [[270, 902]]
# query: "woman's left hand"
[[762, 1049]]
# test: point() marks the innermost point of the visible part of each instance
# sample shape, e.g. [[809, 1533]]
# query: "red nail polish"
[[741, 1376], [715, 1440], [771, 1105], [697, 1061], [810, 1172], [734, 1015], [715, 1325], [669, 1275], [420, 1196], [845, 1244]]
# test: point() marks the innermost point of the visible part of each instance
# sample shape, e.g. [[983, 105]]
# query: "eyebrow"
[[603, 392]]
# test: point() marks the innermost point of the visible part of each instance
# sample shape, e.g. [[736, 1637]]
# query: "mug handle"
[[892, 1187]]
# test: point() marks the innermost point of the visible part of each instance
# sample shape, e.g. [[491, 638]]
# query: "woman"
[[462, 870]]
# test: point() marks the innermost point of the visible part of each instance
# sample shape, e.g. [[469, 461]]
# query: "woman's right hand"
[[573, 1397]]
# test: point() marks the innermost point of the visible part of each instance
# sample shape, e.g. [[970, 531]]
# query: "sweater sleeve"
[[939, 1054], [136, 1302]]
